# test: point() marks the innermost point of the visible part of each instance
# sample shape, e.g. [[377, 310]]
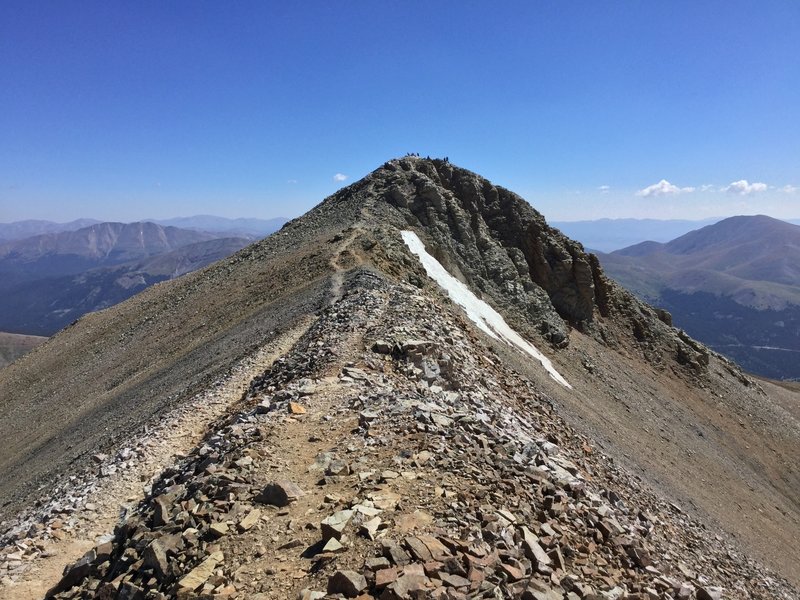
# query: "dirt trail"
[[398, 461], [165, 441], [342, 260], [172, 437], [292, 449]]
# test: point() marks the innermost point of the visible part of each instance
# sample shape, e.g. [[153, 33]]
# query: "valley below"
[[766, 342], [733, 285], [48, 281]]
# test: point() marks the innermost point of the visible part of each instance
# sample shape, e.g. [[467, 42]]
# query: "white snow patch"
[[484, 316]]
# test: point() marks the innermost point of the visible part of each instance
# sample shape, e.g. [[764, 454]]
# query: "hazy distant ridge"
[[18, 230], [247, 226], [734, 285], [607, 235], [102, 244], [49, 280]]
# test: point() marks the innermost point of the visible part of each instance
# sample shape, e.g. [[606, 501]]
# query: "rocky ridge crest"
[[393, 453], [502, 248], [427, 470]]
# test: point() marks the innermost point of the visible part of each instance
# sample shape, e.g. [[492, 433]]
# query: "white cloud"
[[663, 188], [789, 189], [339, 177], [604, 189], [745, 188], [292, 181], [707, 188]]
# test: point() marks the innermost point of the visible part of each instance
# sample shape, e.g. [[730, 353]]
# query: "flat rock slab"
[[199, 575], [532, 548], [348, 583], [333, 526], [333, 545], [250, 520], [296, 409]]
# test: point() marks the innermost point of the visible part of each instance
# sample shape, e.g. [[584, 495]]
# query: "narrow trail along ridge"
[[391, 455], [89, 510]]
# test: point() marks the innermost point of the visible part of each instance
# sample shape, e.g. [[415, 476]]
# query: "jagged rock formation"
[[393, 451], [502, 248], [501, 241]]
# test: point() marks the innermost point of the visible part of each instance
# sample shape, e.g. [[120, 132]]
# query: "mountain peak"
[[739, 230], [389, 426], [500, 246], [734, 284]]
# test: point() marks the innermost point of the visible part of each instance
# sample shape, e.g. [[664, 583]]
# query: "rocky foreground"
[[391, 454]]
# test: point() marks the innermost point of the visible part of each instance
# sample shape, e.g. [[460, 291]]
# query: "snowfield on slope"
[[484, 316]]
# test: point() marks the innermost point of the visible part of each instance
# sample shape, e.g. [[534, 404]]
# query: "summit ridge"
[[380, 444]]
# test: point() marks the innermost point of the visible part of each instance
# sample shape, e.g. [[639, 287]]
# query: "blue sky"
[[125, 110]]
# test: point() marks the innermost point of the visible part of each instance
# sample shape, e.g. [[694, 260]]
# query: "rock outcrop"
[[503, 249]]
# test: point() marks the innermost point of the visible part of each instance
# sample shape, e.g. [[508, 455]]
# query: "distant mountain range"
[[49, 280], [246, 227], [28, 228], [101, 244], [607, 235], [256, 228], [734, 285]]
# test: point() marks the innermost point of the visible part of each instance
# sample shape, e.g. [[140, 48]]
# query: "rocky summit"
[[416, 390]]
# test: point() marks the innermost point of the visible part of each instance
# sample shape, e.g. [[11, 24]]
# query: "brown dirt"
[[138, 360], [271, 560]]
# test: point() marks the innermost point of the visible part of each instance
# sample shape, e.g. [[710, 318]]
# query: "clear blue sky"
[[124, 110]]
